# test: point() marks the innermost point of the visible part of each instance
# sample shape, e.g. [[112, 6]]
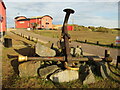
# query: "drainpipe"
[[1, 29]]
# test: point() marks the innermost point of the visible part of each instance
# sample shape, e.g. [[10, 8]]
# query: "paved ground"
[[93, 49]]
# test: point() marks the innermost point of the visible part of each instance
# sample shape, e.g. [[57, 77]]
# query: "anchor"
[[68, 61]]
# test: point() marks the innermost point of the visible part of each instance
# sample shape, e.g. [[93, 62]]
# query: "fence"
[[99, 44]]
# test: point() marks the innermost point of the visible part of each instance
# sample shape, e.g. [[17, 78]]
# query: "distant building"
[[40, 22], [69, 27], [2, 16]]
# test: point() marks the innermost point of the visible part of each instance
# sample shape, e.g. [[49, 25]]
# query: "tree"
[[34, 25]]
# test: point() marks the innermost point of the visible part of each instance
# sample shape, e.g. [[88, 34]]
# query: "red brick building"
[[41, 22], [2, 16]]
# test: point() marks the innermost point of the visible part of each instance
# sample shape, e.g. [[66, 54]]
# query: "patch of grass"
[[98, 78], [103, 38], [85, 86], [10, 80], [49, 33], [33, 82]]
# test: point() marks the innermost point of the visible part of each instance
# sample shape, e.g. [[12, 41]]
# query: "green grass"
[[90, 36], [49, 33], [10, 80]]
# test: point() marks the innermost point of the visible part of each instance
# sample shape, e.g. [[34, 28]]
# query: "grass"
[[49, 33], [10, 80], [103, 38]]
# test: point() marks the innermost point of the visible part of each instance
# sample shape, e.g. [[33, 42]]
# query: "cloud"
[[97, 21], [86, 13], [61, 0]]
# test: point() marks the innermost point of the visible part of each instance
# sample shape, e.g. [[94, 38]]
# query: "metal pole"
[[118, 61], [74, 59], [107, 53], [66, 36]]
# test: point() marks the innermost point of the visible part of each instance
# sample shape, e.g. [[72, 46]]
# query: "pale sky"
[[88, 13]]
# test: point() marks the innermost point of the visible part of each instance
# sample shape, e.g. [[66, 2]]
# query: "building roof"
[[48, 16], [24, 19], [27, 19], [18, 17], [37, 17], [3, 3]]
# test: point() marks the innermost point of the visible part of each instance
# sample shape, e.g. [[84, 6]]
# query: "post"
[[28, 37], [107, 53], [85, 41], [111, 44], [118, 61], [7, 42], [97, 42], [21, 34]]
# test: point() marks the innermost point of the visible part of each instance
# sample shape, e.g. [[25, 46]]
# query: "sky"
[[87, 13]]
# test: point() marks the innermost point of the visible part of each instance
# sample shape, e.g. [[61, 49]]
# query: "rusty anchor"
[[66, 37], [67, 59]]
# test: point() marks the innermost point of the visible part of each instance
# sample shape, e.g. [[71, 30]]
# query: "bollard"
[[118, 61], [77, 39], [85, 41], [111, 45], [97, 42], [28, 38], [8, 42], [107, 53], [108, 58], [21, 35]]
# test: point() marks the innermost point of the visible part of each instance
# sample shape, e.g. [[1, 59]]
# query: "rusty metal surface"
[[66, 37], [47, 58], [74, 59]]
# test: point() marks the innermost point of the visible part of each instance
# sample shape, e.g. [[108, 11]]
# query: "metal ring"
[[70, 68]]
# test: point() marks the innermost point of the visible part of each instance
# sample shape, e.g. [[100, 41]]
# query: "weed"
[[85, 86]]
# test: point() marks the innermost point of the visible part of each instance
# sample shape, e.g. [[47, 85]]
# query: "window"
[[1, 18], [47, 23], [46, 20]]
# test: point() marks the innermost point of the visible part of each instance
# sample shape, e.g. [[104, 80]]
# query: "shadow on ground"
[[28, 51], [109, 66]]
